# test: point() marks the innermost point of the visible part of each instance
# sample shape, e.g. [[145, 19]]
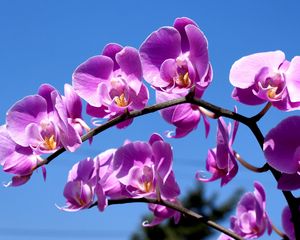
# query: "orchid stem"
[[250, 122], [250, 167], [208, 113], [258, 116], [150, 109], [279, 233], [178, 208]]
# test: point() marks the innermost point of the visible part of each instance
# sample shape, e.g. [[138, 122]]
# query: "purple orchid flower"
[[282, 149], [91, 178], [80, 187], [287, 223], [44, 121], [221, 161], [16, 159], [145, 169], [185, 117], [162, 213], [111, 83], [251, 220], [267, 76], [36, 125], [174, 60]]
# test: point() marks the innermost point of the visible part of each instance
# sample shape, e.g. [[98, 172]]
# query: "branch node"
[[126, 113], [258, 116], [191, 93]]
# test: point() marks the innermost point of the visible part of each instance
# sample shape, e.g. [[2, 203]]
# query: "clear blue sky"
[[44, 41]]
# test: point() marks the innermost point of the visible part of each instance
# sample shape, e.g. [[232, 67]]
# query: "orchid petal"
[[31, 109], [282, 143], [89, 74], [129, 61], [160, 45], [243, 71], [293, 79]]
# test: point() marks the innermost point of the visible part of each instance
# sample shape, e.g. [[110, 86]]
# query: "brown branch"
[[258, 116], [249, 166], [251, 123], [156, 107], [178, 208], [127, 115], [279, 233]]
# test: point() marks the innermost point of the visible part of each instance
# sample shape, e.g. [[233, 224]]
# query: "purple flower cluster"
[[135, 170], [174, 61], [39, 124]]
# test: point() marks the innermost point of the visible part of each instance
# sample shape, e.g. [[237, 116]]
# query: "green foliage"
[[188, 228]]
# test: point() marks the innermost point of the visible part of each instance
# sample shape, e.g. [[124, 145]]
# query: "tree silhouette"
[[188, 228]]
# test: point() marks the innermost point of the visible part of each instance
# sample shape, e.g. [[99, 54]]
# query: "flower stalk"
[[190, 98], [177, 207], [250, 167]]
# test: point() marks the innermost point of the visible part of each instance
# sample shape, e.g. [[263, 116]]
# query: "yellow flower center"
[[80, 201], [50, 143], [272, 92], [121, 101], [183, 80], [148, 186]]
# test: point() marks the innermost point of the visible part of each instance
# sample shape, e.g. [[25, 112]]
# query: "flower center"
[[48, 133], [119, 91], [275, 85], [50, 143], [79, 201], [272, 92], [121, 101], [148, 186], [183, 77], [82, 193], [183, 80], [271, 85], [146, 180]]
